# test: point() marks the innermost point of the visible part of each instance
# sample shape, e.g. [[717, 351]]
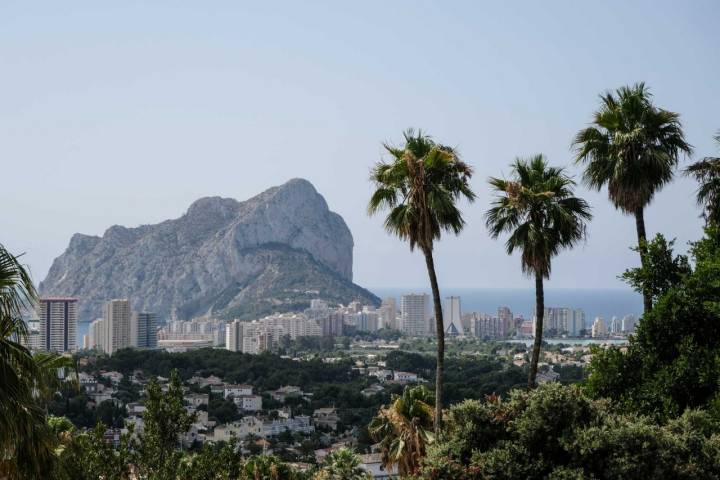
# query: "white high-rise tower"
[[452, 317], [415, 313], [117, 317]]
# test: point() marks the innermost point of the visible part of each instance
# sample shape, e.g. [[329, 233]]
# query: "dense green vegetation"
[[671, 364], [265, 371], [557, 432]]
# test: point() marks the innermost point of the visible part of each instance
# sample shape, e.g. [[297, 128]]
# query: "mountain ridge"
[[176, 267]]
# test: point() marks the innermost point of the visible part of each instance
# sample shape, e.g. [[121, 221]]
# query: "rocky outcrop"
[[273, 252]]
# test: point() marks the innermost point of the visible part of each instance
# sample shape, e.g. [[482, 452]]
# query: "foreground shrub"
[[558, 432]]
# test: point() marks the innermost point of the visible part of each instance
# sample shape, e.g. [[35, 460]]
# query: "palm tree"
[[632, 147], [537, 208], [420, 187], [27, 442], [707, 174], [267, 467], [342, 464], [19, 415], [404, 430]]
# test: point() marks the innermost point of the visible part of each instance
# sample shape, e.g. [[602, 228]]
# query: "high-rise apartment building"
[[505, 316], [118, 316], [143, 330], [452, 317], [599, 328], [579, 322], [388, 314], [415, 314], [564, 321], [97, 335], [332, 324], [234, 336], [627, 324], [615, 325], [367, 320], [58, 323]]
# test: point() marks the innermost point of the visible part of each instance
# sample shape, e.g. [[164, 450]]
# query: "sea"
[[606, 303]]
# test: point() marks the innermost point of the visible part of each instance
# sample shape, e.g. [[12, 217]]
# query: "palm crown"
[[631, 146], [420, 187], [538, 209], [707, 173], [404, 429]]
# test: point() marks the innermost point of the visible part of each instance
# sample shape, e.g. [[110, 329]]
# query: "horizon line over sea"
[[596, 302]]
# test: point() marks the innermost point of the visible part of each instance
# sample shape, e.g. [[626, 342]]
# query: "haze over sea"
[[605, 303]]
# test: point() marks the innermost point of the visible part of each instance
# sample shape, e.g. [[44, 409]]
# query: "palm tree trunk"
[[539, 316], [642, 248], [440, 332]]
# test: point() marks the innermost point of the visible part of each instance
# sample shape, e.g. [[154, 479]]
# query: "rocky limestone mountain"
[[271, 253]]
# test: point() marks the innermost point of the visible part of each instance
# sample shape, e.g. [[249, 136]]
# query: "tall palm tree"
[[404, 430], [632, 147], [420, 186], [342, 464], [707, 174], [537, 208]]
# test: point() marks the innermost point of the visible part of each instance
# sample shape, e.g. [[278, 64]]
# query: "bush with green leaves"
[[558, 432], [672, 363]]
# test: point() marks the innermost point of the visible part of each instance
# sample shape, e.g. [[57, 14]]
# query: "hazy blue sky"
[[126, 113]]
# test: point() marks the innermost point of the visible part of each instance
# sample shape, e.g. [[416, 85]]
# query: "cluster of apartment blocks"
[[416, 319], [617, 326], [320, 320], [121, 327], [57, 319]]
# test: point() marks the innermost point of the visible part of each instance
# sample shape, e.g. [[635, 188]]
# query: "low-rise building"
[[239, 429], [549, 375], [301, 424], [372, 463], [203, 382], [88, 383], [197, 399], [287, 391], [248, 403], [114, 377], [326, 418], [237, 390], [405, 377]]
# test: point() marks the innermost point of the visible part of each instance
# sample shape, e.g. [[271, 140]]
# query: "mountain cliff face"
[[273, 252]]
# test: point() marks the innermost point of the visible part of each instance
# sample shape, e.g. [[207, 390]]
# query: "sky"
[[125, 113]]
